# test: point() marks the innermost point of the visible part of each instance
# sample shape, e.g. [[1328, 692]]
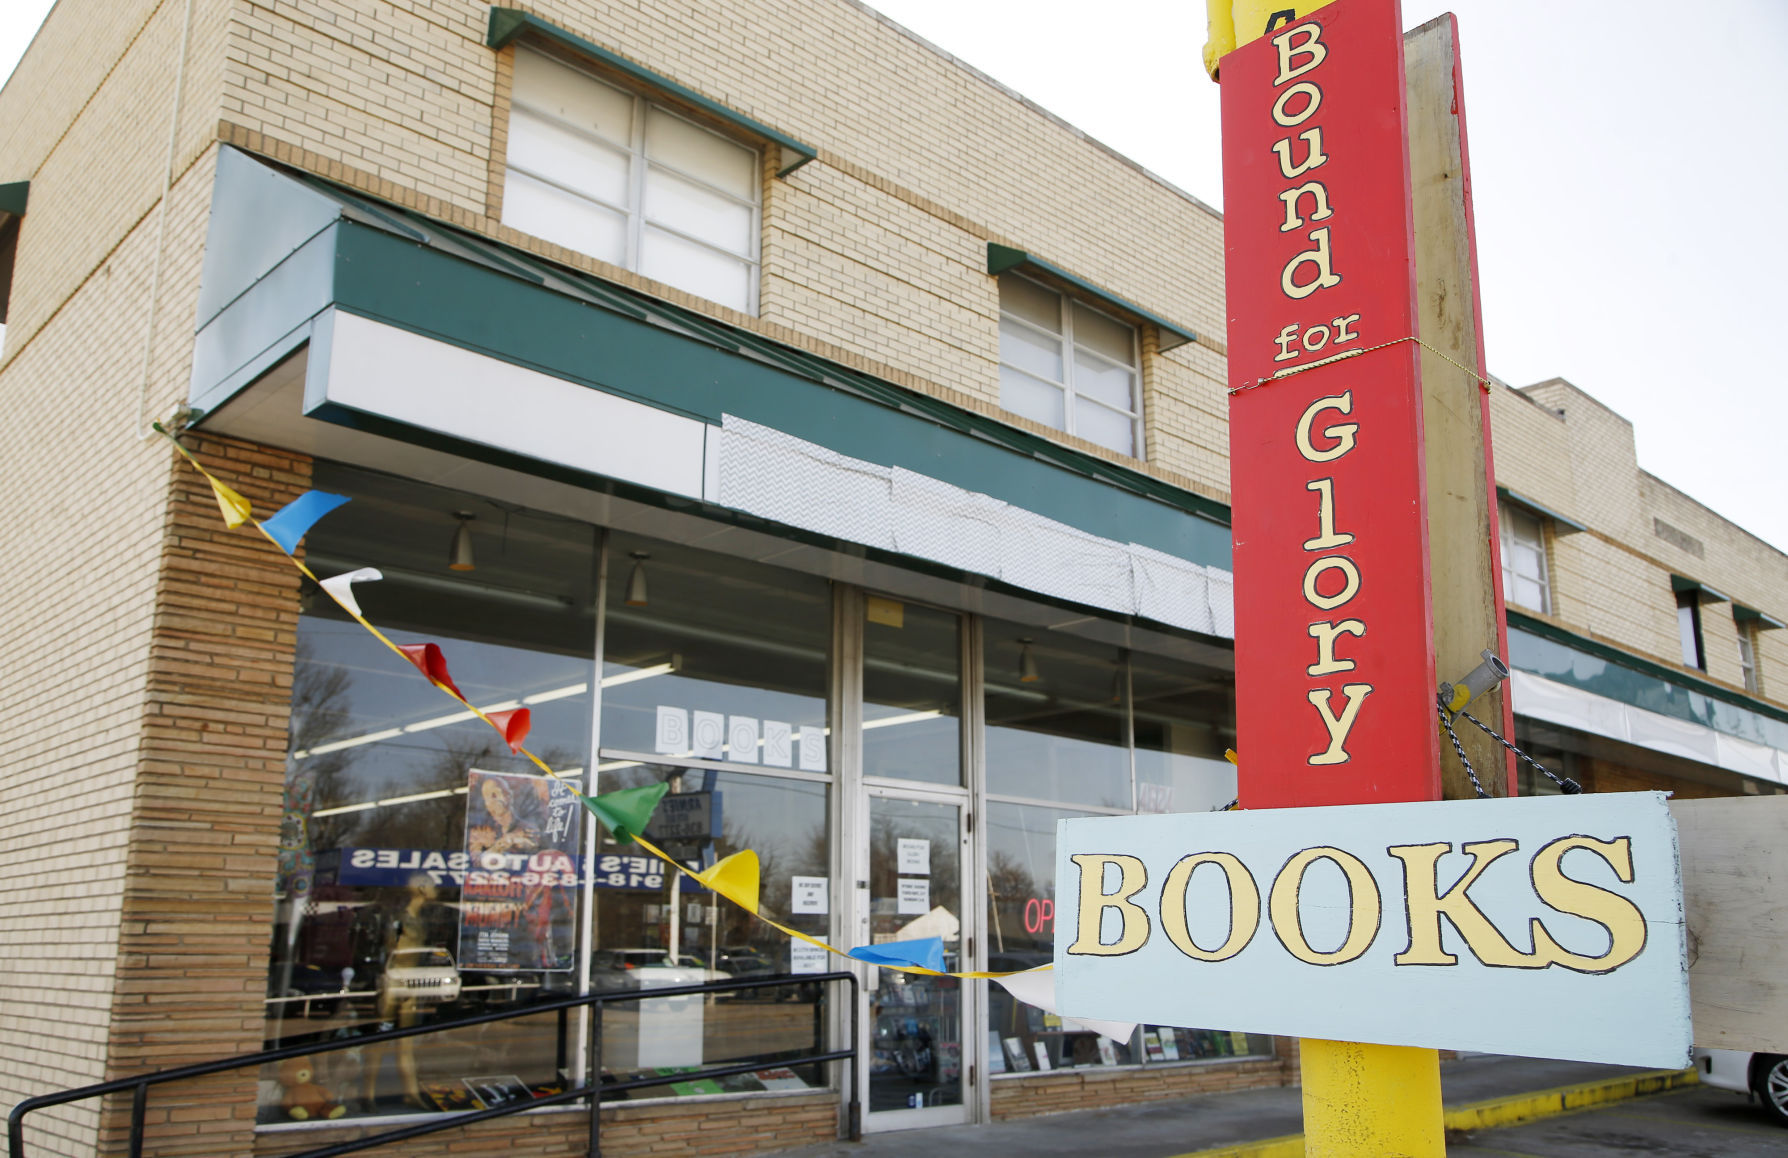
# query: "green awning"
[[1743, 614], [13, 196], [1712, 595], [1560, 524], [1001, 258], [506, 24]]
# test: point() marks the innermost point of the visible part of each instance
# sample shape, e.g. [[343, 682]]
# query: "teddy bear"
[[304, 1099]]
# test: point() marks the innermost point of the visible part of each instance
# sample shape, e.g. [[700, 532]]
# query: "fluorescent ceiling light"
[[909, 718], [642, 673]]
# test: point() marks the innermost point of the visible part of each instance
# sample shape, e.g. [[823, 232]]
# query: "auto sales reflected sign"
[[1543, 926], [1334, 660]]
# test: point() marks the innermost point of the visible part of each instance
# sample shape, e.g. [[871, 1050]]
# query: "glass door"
[[917, 1027]]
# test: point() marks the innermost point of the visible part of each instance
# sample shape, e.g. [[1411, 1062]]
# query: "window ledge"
[[509, 24], [1001, 258]]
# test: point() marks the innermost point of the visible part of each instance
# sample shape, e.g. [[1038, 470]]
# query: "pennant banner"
[[341, 587], [625, 813], [298, 516]]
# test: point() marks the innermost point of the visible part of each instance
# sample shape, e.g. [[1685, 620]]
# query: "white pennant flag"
[[341, 587], [1037, 987]]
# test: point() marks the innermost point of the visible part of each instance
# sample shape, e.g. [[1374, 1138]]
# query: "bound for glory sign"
[[1550, 926], [1334, 662]]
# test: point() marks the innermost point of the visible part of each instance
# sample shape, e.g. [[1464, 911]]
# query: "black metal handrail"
[[593, 1088]]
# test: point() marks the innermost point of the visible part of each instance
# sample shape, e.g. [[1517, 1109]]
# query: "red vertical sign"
[[1335, 679]]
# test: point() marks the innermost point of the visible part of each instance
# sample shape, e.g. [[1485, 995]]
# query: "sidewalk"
[[1477, 1091]]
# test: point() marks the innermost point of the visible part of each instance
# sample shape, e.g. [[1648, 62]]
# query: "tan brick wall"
[[197, 904], [88, 498], [1097, 1089]]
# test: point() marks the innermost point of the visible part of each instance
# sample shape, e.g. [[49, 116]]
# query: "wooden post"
[[1462, 532]]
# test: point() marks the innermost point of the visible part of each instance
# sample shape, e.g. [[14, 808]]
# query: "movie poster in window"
[[518, 907]]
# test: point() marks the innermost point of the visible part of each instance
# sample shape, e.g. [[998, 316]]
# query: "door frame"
[[970, 994], [850, 856]]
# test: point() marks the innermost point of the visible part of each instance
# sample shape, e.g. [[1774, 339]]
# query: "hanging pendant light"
[[1027, 663], [636, 580], [459, 555]]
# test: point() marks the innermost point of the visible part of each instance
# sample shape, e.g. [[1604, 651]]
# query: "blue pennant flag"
[[926, 953], [297, 517]]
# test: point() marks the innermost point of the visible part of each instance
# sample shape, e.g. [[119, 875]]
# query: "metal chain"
[[1566, 785], [1446, 722]]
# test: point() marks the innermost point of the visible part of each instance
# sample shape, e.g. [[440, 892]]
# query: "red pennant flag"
[[430, 662], [514, 725]]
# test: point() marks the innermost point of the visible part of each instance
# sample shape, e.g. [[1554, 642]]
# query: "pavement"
[[1479, 1092]]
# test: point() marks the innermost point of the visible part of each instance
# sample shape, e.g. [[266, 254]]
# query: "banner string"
[[1483, 382], [734, 877]]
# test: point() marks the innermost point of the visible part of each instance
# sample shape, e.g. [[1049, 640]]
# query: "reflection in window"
[[1057, 725], [656, 928], [425, 871], [1185, 720], [912, 693], [714, 658]]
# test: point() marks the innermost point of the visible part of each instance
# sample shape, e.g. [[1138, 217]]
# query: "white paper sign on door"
[[808, 894], [741, 739], [914, 898], [805, 958], [915, 857]]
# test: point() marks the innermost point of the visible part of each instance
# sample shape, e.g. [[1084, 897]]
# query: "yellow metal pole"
[[1360, 1101], [1371, 1101]]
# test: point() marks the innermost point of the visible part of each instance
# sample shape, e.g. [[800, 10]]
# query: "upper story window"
[[1747, 657], [1524, 578], [1688, 627], [600, 170], [1069, 366]]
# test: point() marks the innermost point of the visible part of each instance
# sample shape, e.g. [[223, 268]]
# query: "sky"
[[1625, 162]]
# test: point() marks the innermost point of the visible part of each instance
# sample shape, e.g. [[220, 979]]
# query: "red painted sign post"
[[1335, 678]]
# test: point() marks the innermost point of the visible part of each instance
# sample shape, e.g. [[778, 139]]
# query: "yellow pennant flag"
[[735, 878], [235, 508]]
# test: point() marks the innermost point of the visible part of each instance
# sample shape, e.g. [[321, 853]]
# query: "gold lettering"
[[1304, 40], [1325, 517], [1318, 257], [1338, 728], [1312, 101], [1094, 901], [1427, 905], [1325, 635], [1350, 585], [1342, 433], [1317, 192], [1615, 913], [1363, 908], [1244, 906], [1314, 157]]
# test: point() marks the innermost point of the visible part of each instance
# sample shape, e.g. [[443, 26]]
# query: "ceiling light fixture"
[[1027, 663], [459, 555], [636, 580]]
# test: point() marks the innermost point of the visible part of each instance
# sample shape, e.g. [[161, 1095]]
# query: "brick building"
[[777, 408]]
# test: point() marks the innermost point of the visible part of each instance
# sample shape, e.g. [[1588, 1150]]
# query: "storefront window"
[[1185, 720], [654, 928], [1057, 726], [425, 871], [713, 658], [912, 692]]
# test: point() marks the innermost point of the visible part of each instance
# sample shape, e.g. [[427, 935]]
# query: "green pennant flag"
[[628, 811]]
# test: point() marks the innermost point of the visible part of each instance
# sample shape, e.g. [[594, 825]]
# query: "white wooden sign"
[[1543, 926]]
